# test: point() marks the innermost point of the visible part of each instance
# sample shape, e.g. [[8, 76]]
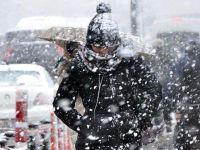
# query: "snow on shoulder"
[[131, 46]]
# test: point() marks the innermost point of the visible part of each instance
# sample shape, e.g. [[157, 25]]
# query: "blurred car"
[[40, 90], [24, 46]]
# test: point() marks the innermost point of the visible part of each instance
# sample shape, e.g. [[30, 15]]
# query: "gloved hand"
[[84, 127], [148, 136]]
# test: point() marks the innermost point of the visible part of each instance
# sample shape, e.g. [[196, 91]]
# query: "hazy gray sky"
[[11, 11]]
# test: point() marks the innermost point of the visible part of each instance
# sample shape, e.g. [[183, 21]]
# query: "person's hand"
[[148, 136], [178, 116]]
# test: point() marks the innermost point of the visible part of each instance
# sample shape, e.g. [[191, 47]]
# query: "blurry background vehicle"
[[24, 46], [36, 80], [40, 92]]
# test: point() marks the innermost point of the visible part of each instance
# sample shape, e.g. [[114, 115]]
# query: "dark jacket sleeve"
[[149, 93], [64, 102]]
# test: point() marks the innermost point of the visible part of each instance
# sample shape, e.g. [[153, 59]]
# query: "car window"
[[12, 78]]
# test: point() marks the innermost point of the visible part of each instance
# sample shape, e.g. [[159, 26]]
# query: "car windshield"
[[13, 78]]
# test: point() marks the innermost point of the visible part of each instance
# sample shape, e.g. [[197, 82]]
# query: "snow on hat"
[[103, 30]]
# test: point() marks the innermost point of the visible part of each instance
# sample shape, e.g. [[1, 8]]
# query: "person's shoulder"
[[137, 59], [74, 65], [77, 65]]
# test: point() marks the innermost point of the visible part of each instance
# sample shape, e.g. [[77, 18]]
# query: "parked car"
[[40, 92]]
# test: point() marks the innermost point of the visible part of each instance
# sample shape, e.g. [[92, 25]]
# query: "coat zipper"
[[99, 89]]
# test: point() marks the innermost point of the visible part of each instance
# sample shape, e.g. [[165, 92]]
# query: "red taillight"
[[177, 19], [7, 54], [41, 99]]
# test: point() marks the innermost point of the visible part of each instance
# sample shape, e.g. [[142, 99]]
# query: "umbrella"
[[67, 37], [62, 35], [70, 39]]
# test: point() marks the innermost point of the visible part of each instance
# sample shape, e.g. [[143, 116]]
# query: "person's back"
[[188, 99], [162, 64]]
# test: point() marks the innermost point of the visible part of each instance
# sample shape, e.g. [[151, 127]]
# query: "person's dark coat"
[[119, 103], [188, 100]]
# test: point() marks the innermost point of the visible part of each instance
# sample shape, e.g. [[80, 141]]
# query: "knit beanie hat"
[[103, 31]]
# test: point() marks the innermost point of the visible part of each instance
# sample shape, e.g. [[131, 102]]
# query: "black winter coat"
[[119, 104], [188, 103]]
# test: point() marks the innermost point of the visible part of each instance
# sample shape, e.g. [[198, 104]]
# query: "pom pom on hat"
[[103, 8], [102, 29]]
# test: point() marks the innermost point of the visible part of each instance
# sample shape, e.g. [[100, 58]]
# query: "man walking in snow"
[[120, 94]]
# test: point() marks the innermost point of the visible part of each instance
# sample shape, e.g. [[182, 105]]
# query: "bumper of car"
[[34, 115]]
